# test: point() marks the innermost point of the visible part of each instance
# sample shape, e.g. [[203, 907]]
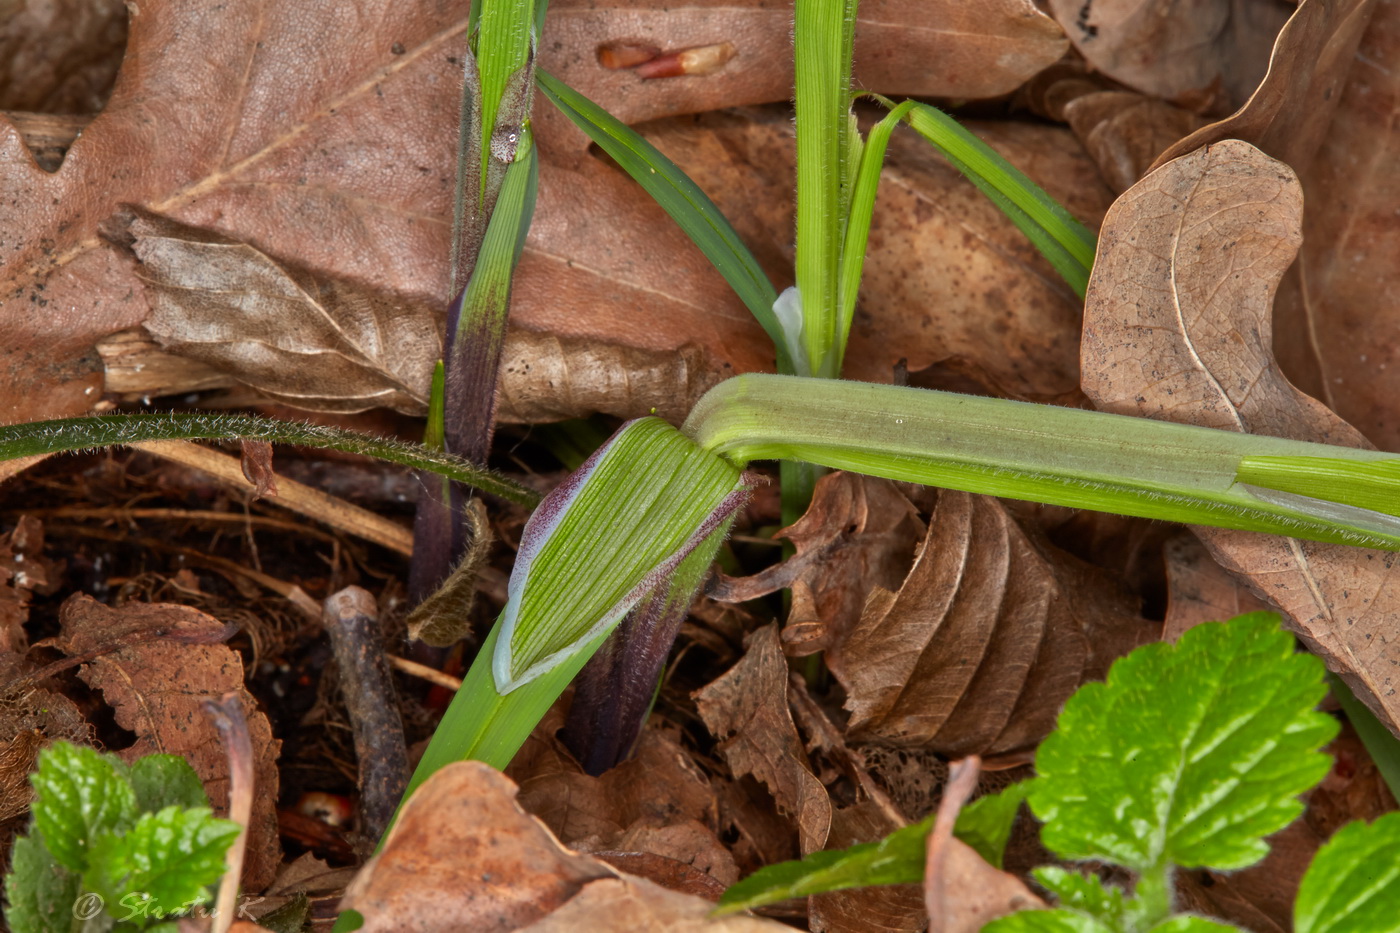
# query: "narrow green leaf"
[[1046, 921], [168, 859], [1353, 883], [161, 781], [1063, 240], [50, 437], [681, 198], [1372, 486], [79, 794], [1189, 754], [604, 538], [1042, 453], [1084, 893], [1380, 742], [899, 858], [40, 894]]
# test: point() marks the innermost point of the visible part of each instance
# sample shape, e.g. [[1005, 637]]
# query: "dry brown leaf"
[[891, 908], [1200, 590], [985, 640], [23, 570], [155, 687], [324, 132], [1205, 52], [932, 48], [746, 709], [59, 56], [465, 855], [977, 892], [1177, 327], [1124, 132]]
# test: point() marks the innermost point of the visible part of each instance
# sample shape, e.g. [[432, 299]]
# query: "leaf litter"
[[948, 623]]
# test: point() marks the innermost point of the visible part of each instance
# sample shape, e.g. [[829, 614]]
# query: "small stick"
[[962, 781], [227, 716], [351, 619], [423, 672]]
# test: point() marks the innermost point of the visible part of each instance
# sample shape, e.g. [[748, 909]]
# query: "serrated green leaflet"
[[167, 859], [1353, 883], [1189, 754], [899, 858], [1047, 921], [39, 892], [603, 539], [165, 780], [1189, 924], [79, 795], [1082, 892]]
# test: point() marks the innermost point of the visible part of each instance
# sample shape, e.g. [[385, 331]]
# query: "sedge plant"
[[1187, 757]]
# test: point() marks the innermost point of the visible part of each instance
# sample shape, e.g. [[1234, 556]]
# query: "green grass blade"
[[51, 437], [503, 49], [827, 144], [1061, 456], [1063, 240], [681, 198], [1383, 746]]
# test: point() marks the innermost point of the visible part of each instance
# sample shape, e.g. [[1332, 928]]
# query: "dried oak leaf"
[[155, 686], [1202, 52], [465, 855], [321, 131], [931, 48], [985, 639], [746, 709], [1177, 327]]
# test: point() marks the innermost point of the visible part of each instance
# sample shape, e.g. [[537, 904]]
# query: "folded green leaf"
[[1190, 754], [1353, 883], [167, 860], [604, 538], [79, 794]]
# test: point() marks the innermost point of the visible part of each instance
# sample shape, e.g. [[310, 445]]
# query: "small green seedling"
[[1187, 757], [112, 846]]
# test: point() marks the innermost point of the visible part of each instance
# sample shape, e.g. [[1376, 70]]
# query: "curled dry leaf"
[[1124, 132], [155, 687], [746, 709], [931, 48], [1177, 327], [985, 639], [465, 855], [1207, 53]]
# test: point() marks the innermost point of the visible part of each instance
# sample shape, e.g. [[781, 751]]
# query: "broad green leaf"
[[165, 780], [899, 858], [604, 538], [1190, 753], [79, 794], [1042, 453], [1353, 883], [1063, 240], [679, 197], [1082, 892], [1185, 923], [40, 894], [1046, 921], [168, 859], [985, 824]]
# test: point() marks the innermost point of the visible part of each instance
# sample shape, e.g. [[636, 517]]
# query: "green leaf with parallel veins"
[[165, 780], [40, 894], [1046, 921], [168, 858], [1353, 883], [1190, 753], [79, 794]]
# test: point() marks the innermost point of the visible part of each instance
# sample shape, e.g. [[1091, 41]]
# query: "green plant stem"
[[1153, 901], [50, 437]]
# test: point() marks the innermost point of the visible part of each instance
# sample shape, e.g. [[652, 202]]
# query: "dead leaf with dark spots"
[[984, 640], [155, 687], [1206, 53], [1177, 327], [746, 709], [1200, 590]]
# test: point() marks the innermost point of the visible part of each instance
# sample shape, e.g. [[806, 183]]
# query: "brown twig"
[[227, 716], [962, 782], [352, 621]]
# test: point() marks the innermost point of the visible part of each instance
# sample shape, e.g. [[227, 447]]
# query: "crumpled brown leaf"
[[155, 687], [746, 709], [465, 855], [986, 638], [23, 570], [1177, 327], [1203, 52], [930, 48]]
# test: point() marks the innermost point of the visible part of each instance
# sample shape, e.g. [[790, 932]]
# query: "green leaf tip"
[[604, 538], [1353, 883], [1189, 754]]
